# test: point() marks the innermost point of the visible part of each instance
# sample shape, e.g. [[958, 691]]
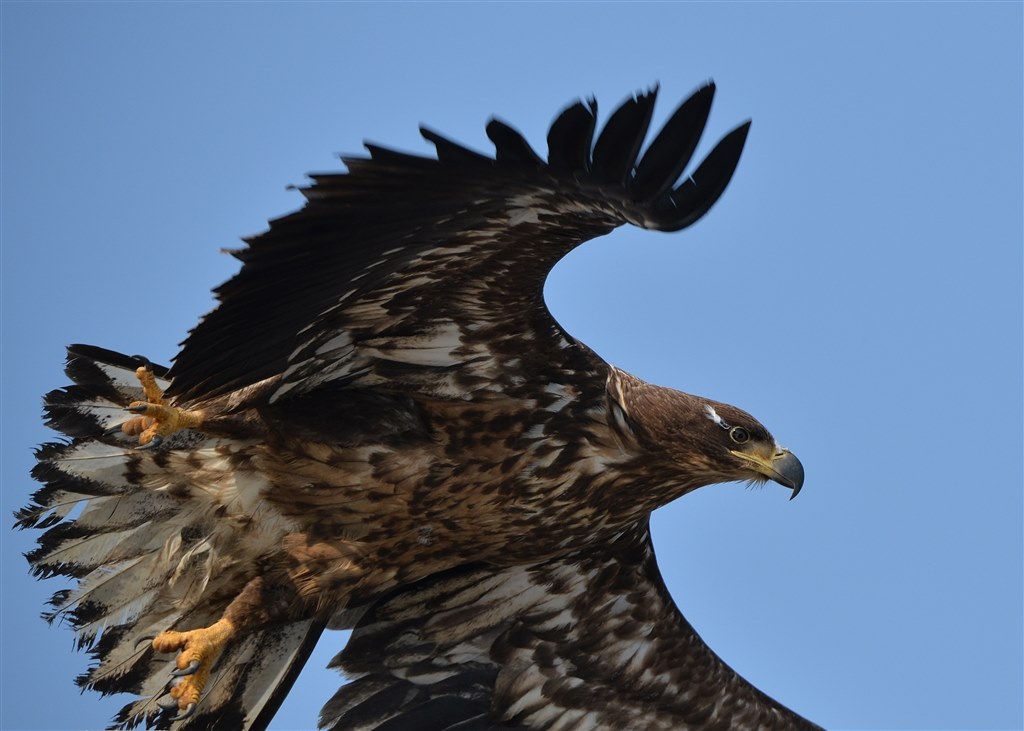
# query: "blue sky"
[[858, 288]]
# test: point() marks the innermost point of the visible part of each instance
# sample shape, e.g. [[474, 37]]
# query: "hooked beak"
[[783, 467], [787, 470]]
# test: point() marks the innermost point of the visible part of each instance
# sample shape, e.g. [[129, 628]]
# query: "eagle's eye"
[[739, 434]]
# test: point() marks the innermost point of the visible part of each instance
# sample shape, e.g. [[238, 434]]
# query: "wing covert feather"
[[406, 271], [591, 642]]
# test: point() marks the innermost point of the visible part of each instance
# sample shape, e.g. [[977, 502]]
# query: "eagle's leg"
[[157, 419], [198, 650]]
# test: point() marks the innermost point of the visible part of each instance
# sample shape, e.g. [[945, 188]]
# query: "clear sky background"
[[858, 289]]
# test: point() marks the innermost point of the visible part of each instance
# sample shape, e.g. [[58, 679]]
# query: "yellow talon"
[[157, 420], [198, 650], [150, 390]]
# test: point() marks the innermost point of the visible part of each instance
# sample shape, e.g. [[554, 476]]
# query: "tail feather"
[[146, 536], [246, 689]]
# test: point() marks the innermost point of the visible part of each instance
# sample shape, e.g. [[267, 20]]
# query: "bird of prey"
[[381, 426]]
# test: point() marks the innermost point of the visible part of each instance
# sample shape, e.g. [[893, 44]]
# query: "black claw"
[[147, 639], [141, 360], [192, 667], [153, 444], [136, 409], [189, 710], [167, 706]]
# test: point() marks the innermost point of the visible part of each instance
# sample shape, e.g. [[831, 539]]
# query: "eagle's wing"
[[587, 642], [409, 275], [426, 275]]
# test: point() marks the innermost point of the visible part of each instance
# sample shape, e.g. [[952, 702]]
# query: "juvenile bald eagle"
[[382, 426]]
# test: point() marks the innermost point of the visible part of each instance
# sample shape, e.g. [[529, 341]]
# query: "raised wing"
[[427, 275], [589, 642]]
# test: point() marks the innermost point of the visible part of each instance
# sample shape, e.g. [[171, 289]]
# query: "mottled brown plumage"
[[591, 641], [385, 413]]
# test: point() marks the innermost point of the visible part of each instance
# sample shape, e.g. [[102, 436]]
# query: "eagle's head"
[[742, 448], [701, 441]]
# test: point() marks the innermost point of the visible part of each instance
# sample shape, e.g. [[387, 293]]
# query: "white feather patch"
[[518, 216], [713, 415]]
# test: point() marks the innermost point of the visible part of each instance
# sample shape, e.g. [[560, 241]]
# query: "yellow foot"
[[156, 419], [198, 650]]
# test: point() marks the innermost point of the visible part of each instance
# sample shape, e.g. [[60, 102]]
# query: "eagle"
[[382, 427]]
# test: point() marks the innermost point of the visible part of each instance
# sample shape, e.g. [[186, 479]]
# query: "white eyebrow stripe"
[[713, 415]]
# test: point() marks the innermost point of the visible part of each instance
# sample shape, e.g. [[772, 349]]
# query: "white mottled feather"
[[153, 534]]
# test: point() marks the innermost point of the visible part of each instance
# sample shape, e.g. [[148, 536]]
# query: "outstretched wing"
[[588, 642], [427, 275]]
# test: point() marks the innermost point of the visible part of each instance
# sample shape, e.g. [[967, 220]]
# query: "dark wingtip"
[[670, 152], [510, 146], [619, 143], [650, 191], [449, 151], [571, 136], [695, 196]]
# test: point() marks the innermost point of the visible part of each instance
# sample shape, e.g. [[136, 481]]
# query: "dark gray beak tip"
[[789, 472]]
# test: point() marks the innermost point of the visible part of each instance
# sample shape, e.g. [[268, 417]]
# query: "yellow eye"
[[739, 434]]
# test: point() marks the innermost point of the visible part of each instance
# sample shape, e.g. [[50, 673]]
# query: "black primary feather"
[[571, 136], [695, 196], [405, 288], [616, 148], [361, 230], [510, 146], [670, 152], [452, 152]]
